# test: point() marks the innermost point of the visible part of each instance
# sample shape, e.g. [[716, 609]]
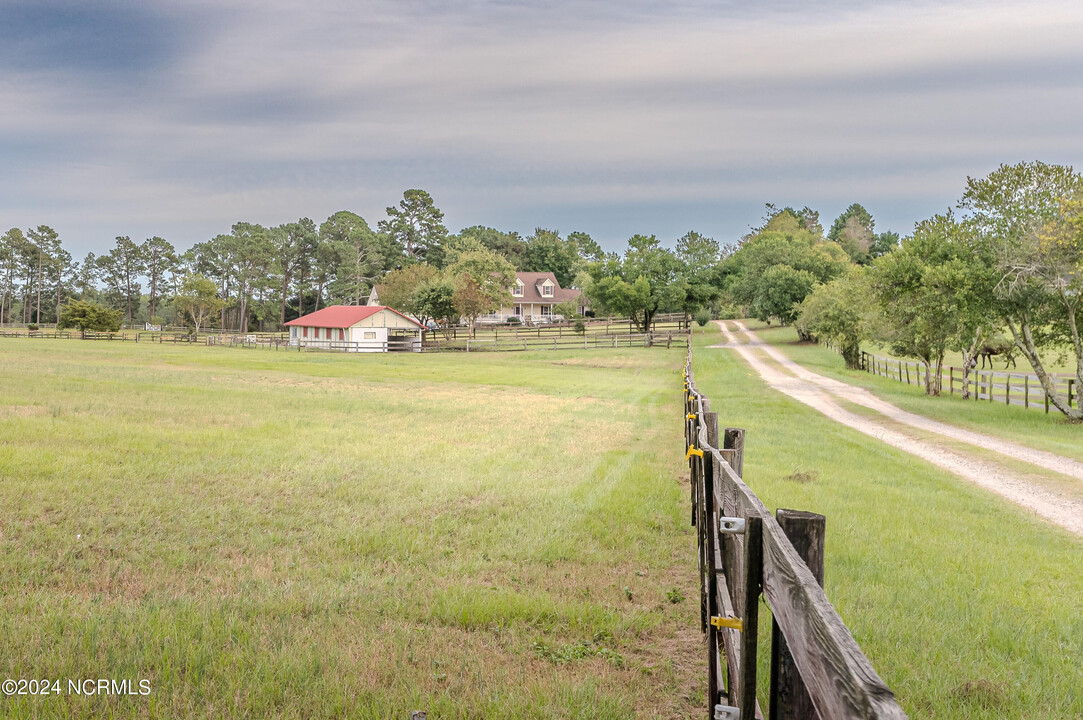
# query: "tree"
[[470, 300], [482, 281], [398, 287], [699, 256], [293, 245], [416, 225], [46, 243], [547, 252], [13, 247], [120, 269], [933, 293], [199, 299], [83, 315], [586, 247], [86, 278], [841, 312], [697, 251], [782, 241], [781, 290], [508, 244], [883, 243], [360, 253], [160, 257], [854, 231], [1027, 219], [639, 284], [435, 300]]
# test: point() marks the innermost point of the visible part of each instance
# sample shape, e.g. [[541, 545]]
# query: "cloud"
[[511, 109]]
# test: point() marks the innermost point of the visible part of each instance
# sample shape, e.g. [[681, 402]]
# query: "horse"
[[994, 348]]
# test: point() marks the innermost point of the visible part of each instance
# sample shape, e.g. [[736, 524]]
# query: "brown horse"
[[993, 348]]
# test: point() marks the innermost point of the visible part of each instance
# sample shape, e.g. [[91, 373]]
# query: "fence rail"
[[1011, 388], [601, 327], [569, 342], [817, 669]]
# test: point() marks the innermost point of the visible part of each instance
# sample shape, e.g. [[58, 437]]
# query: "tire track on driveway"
[[823, 394]]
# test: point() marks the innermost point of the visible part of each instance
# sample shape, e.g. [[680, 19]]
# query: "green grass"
[[1031, 427], [267, 534], [967, 606]]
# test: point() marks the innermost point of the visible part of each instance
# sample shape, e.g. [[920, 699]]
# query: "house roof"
[[344, 316], [532, 283]]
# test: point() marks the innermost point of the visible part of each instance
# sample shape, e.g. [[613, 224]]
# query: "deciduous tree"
[[1027, 218]]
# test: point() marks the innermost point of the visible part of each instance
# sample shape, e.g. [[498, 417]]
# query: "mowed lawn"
[[264, 534], [967, 605]]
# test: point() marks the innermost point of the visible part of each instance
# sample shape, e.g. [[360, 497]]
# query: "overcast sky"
[[181, 117]]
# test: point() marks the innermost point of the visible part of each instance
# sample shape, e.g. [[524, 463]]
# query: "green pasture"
[[264, 534], [967, 606]]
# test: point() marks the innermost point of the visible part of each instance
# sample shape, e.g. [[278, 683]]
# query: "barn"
[[357, 328]]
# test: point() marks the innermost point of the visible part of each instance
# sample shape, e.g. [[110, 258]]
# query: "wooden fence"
[[503, 342], [1011, 388], [568, 342], [817, 669], [599, 327]]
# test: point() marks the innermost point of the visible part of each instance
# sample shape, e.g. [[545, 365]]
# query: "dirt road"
[[824, 394]]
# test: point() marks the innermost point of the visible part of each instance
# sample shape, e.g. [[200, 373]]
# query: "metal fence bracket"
[[726, 712], [731, 525], [727, 622]]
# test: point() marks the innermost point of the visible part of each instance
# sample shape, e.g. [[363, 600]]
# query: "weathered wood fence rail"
[[817, 669], [1010, 388]]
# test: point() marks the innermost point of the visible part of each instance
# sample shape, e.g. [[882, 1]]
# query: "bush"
[[513, 320], [32, 327], [728, 311], [84, 315], [703, 317], [579, 327]]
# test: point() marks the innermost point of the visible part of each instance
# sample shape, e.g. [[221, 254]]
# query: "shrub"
[[728, 311], [32, 327], [579, 327], [84, 315], [703, 317]]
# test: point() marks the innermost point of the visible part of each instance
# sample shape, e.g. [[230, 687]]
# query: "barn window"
[[370, 336], [341, 334]]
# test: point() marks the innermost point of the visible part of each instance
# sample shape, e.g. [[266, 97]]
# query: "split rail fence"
[[817, 668], [1010, 388]]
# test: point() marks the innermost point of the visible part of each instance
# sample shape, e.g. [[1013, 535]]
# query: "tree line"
[[264, 276], [259, 277], [1001, 271]]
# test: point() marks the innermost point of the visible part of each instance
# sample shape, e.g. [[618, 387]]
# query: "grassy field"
[[263, 534], [968, 606]]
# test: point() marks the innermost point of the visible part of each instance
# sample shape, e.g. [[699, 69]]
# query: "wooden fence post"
[[1008, 389], [734, 439], [750, 615], [714, 679], [789, 697]]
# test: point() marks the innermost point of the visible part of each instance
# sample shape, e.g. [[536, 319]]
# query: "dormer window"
[[547, 289], [517, 289]]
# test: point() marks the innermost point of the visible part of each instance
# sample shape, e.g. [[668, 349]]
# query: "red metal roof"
[[343, 316]]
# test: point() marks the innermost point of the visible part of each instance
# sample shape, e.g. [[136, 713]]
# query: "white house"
[[357, 328], [533, 295]]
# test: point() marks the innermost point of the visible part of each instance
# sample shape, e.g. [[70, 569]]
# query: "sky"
[[180, 117]]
